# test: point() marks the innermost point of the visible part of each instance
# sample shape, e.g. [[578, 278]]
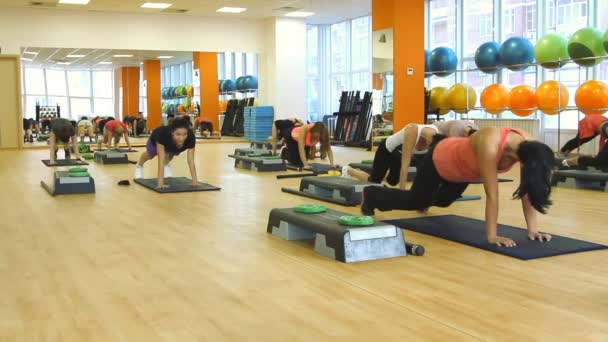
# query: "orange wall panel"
[[129, 80], [407, 20], [152, 78], [206, 62], [382, 14]]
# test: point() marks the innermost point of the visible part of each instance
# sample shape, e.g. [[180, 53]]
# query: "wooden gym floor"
[[127, 264]]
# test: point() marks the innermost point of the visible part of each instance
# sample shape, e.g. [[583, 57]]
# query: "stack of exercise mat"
[[258, 122]]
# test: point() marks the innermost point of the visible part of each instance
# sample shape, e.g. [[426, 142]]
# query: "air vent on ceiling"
[[42, 4], [175, 10]]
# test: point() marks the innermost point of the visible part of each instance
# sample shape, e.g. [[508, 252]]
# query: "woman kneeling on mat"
[[167, 142], [279, 128], [588, 128], [61, 131], [114, 130], [453, 163], [300, 139], [395, 155]]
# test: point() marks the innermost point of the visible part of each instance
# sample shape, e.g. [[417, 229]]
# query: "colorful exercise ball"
[[522, 100], [551, 97], [494, 98], [461, 97], [586, 43], [443, 61], [427, 69], [516, 53], [487, 57], [438, 101], [592, 97], [551, 51]]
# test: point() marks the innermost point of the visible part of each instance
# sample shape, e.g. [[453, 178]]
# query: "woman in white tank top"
[[395, 154]]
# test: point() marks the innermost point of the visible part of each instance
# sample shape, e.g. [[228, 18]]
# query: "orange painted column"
[[407, 20], [152, 78], [129, 81], [209, 92]]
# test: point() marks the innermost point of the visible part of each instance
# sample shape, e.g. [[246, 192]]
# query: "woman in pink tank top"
[[453, 163], [299, 139]]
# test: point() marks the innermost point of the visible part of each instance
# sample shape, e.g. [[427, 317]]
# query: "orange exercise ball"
[[592, 98], [438, 101], [461, 97], [522, 100], [552, 97], [494, 98]]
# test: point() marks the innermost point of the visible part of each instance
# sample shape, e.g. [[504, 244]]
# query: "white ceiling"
[[50, 57], [326, 11]]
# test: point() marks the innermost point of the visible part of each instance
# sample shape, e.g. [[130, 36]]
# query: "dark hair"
[[83, 118], [180, 122], [471, 131], [538, 162], [320, 128]]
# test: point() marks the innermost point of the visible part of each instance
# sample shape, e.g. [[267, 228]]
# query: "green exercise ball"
[[606, 41], [585, 43], [551, 51]]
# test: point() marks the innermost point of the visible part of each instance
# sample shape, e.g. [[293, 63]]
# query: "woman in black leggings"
[[589, 128]]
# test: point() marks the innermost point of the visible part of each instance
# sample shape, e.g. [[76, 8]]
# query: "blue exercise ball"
[[443, 61], [228, 86], [516, 53], [487, 57], [250, 83], [427, 68], [239, 83]]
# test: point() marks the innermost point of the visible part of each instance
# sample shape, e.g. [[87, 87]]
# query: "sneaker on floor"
[[139, 172], [345, 169], [168, 171]]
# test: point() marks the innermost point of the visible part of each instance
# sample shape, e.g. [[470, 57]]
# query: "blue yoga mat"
[[472, 232]]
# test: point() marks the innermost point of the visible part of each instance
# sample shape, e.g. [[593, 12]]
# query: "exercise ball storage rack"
[[535, 64]]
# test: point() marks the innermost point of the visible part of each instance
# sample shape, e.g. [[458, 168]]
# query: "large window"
[[77, 92], [313, 84], [443, 24], [478, 24], [79, 83], [338, 59]]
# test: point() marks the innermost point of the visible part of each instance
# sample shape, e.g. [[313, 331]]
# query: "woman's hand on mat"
[[539, 236], [501, 241]]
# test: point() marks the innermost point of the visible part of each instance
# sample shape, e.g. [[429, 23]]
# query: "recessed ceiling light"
[[75, 56], [104, 63], [74, 2], [231, 10], [156, 5], [164, 57], [64, 63], [122, 56], [30, 53], [26, 59], [299, 14]]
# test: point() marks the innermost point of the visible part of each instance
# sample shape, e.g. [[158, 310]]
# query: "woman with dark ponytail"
[[453, 163]]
